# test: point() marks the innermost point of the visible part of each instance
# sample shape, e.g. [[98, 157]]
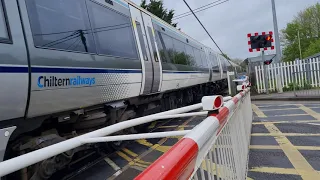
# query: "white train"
[[70, 66]]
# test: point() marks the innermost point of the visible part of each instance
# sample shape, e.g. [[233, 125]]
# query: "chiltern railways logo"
[[52, 81]]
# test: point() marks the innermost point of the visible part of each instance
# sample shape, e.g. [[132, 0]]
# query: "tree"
[[156, 7], [313, 48], [307, 23]]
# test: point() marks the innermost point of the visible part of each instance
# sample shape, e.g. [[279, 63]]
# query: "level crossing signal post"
[[261, 43]]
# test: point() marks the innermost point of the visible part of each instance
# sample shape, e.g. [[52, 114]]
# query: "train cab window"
[[4, 33], [112, 31], [61, 25]]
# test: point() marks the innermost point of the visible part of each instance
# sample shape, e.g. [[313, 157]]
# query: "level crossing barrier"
[[215, 149], [101, 135]]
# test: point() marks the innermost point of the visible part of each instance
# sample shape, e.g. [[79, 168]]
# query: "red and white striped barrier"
[[218, 146]]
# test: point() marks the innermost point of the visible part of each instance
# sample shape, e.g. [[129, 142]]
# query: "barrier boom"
[[218, 146]]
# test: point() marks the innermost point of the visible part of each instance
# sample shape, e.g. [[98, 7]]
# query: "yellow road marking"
[[185, 126], [290, 115], [310, 112], [264, 147], [163, 148], [249, 178], [144, 142], [129, 152], [280, 122], [154, 146], [312, 148], [257, 111], [124, 156], [315, 148], [282, 134], [280, 109], [152, 125], [275, 170], [295, 157]]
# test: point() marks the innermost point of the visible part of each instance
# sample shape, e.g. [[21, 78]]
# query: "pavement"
[[136, 156], [311, 95], [285, 140]]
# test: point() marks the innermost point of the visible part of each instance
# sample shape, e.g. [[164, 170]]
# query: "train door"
[[148, 51], [14, 70]]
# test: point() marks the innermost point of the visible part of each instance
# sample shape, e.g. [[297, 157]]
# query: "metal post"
[[265, 73], [276, 32], [299, 45]]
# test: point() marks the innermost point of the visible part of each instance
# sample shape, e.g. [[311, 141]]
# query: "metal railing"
[[215, 149], [22, 161]]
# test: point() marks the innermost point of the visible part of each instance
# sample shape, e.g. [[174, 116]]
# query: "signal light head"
[[269, 37]]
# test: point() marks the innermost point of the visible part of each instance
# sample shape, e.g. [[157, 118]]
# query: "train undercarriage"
[[53, 129]]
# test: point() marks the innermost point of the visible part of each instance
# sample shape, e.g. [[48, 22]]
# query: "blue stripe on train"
[[17, 69], [184, 72], [13, 69]]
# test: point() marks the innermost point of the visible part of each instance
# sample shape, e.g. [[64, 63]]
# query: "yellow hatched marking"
[[295, 157], [129, 152], [280, 122], [140, 165], [310, 112], [264, 147], [282, 134], [144, 142], [152, 125], [258, 111], [280, 109], [163, 148], [124, 156], [185, 126], [291, 115], [274, 170], [312, 148]]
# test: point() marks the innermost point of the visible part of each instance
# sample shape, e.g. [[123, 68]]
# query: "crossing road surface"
[[131, 160], [285, 141]]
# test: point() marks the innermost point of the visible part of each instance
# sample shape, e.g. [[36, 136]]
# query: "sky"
[[230, 22]]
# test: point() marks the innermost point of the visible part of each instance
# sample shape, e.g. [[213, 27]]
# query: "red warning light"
[[268, 38]]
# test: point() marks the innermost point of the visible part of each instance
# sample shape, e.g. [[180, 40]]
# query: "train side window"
[[191, 56], [168, 45], [113, 31], [4, 27], [61, 25], [163, 55], [204, 59], [180, 56], [214, 63], [198, 58]]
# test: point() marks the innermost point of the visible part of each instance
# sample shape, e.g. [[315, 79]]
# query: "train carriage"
[[68, 67]]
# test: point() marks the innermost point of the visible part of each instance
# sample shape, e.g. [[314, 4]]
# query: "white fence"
[[289, 75]]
